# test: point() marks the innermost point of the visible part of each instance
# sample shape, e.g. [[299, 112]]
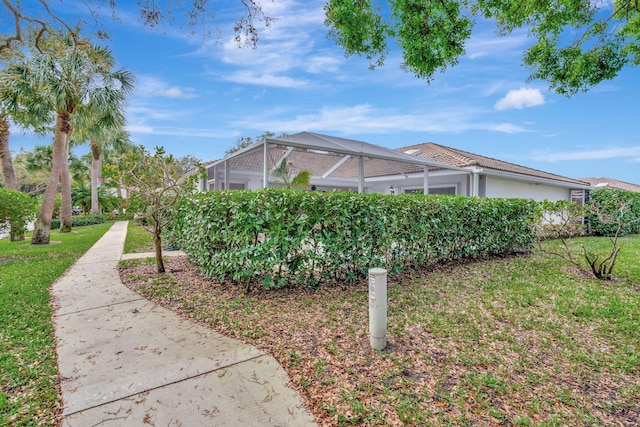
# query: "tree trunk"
[[66, 207], [157, 242], [96, 165], [16, 230], [5, 156], [42, 230], [120, 198]]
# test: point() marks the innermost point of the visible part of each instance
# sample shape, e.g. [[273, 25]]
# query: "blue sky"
[[197, 97]]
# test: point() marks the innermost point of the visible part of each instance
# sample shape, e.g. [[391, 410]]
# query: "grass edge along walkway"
[[29, 390]]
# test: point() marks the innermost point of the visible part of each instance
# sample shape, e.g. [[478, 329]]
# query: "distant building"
[[612, 183], [491, 177]]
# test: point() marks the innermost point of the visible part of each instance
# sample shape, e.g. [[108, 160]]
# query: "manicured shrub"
[[80, 220], [278, 237], [611, 208], [16, 209]]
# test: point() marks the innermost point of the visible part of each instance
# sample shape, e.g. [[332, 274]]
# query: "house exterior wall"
[[490, 186], [506, 188], [459, 181]]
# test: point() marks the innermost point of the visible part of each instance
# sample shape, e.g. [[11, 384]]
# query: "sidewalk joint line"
[[262, 354], [99, 306]]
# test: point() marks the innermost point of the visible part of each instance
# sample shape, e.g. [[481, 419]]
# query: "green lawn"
[[29, 381], [520, 341], [139, 240]]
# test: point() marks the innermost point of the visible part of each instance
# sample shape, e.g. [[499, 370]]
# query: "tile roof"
[[459, 158], [612, 183]]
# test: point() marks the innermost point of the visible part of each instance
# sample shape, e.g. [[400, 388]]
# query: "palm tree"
[[103, 134], [27, 116], [41, 158], [71, 81], [99, 126], [300, 180], [81, 196]]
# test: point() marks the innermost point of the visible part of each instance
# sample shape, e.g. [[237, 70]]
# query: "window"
[[443, 190], [578, 197], [451, 190], [234, 186]]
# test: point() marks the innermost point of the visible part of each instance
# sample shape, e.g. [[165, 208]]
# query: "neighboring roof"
[[612, 183], [464, 159]]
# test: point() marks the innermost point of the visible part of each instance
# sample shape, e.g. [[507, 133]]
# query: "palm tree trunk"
[[5, 156], [16, 230], [42, 229], [66, 207], [96, 165]]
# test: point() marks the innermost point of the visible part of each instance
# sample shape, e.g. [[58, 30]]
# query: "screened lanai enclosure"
[[334, 164]]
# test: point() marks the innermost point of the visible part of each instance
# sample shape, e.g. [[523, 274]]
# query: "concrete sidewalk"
[[125, 361]]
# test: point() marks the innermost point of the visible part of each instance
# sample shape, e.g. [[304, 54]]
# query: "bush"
[[16, 209], [611, 207], [127, 216], [561, 219], [279, 237], [79, 221]]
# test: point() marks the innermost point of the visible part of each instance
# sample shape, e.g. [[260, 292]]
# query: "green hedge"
[[279, 237], [607, 203], [79, 221], [16, 209]]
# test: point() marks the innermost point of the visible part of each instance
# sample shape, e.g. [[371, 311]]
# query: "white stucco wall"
[[401, 185], [504, 188]]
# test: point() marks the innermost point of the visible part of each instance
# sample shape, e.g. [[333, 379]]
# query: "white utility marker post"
[[378, 308]]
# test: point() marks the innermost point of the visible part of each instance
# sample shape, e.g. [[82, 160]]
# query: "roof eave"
[[535, 179]]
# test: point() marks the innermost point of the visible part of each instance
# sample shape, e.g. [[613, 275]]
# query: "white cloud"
[[323, 64], [490, 44], [288, 50], [520, 98], [272, 80], [180, 132], [139, 129], [365, 118], [139, 112], [507, 128], [152, 86], [605, 153]]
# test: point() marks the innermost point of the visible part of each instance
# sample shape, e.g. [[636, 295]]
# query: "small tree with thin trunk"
[[562, 220], [155, 183]]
